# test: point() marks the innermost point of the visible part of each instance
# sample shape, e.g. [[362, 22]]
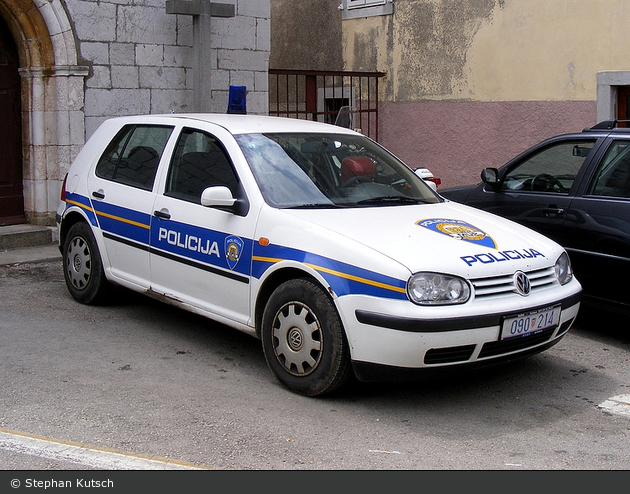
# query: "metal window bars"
[[349, 99]]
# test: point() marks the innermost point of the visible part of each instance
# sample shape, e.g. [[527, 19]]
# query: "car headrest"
[[357, 166], [143, 154]]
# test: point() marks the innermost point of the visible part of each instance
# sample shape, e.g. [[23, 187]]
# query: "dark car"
[[575, 189]]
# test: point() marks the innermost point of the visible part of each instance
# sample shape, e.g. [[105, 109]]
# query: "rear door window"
[[133, 155], [612, 178]]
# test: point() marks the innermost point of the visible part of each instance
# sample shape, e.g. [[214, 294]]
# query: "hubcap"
[[297, 339], [79, 263]]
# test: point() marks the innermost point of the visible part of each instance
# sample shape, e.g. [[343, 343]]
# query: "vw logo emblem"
[[522, 283]]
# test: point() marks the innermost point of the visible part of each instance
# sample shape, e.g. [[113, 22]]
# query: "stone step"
[[20, 236]]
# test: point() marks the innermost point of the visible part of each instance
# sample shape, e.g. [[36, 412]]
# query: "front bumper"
[[384, 345]]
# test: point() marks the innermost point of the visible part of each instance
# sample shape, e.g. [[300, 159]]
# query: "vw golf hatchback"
[[312, 238]]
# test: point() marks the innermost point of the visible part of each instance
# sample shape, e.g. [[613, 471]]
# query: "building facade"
[[470, 83], [66, 65]]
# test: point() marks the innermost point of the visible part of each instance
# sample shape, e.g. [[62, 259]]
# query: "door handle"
[[552, 212], [99, 194], [162, 214]]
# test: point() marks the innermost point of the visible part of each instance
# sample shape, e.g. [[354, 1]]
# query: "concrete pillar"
[[202, 12]]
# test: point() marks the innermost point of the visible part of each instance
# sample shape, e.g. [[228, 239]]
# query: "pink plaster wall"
[[456, 139]]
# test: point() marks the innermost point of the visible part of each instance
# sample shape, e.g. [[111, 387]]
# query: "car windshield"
[[330, 170]]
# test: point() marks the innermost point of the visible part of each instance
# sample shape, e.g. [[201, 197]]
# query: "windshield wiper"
[[391, 200], [315, 205]]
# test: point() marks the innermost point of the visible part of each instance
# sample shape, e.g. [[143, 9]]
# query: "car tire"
[[303, 339], [83, 267]]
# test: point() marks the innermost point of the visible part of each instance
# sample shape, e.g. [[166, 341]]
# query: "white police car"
[[312, 238]]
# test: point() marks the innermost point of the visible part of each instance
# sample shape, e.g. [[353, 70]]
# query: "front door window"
[[553, 169]]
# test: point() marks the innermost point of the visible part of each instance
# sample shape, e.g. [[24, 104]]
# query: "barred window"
[[352, 9]]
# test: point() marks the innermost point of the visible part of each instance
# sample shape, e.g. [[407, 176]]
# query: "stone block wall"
[[141, 58], [88, 60]]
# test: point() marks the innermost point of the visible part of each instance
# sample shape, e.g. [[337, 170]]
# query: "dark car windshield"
[[330, 170]]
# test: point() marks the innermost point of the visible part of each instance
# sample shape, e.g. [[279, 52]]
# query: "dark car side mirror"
[[490, 176], [581, 151]]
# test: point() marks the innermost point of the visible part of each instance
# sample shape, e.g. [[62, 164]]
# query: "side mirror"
[[218, 196], [426, 175], [581, 151], [490, 176]]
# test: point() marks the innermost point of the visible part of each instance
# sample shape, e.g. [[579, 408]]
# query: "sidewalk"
[[28, 243], [39, 253]]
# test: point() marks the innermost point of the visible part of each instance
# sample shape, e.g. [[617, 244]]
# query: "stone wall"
[[141, 58], [83, 61]]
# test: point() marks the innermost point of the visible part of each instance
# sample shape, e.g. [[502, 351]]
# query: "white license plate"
[[530, 323]]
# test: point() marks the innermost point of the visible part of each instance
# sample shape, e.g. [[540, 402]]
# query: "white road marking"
[[88, 456], [619, 405]]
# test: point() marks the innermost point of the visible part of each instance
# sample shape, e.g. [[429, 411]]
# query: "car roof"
[[602, 129], [607, 127], [243, 124]]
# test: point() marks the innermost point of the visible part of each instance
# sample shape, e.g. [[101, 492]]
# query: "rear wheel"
[[303, 339], [82, 266]]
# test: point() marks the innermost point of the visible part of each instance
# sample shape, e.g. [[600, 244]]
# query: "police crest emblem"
[[459, 230], [233, 250]]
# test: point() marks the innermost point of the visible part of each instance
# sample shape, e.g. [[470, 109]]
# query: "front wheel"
[[303, 339], [82, 266]]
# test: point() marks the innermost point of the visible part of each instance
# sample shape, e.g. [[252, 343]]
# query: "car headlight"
[[437, 289], [563, 269]]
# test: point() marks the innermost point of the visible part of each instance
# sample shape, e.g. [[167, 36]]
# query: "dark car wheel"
[[303, 339], [82, 266]]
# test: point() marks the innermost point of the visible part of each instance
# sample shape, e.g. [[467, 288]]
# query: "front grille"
[[565, 327], [515, 344], [448, 355], [463, 353], [501, 286]]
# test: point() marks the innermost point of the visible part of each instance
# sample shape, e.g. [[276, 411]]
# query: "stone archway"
[[52, 100]]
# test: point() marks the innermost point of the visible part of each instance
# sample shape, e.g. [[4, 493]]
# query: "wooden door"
[[11, 187], [623, 105]]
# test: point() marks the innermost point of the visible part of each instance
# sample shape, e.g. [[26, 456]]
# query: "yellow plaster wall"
[[491, 50], [546, 50]]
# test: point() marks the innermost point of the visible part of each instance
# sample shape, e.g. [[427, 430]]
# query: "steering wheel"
[[355, 180], [546, 183]]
